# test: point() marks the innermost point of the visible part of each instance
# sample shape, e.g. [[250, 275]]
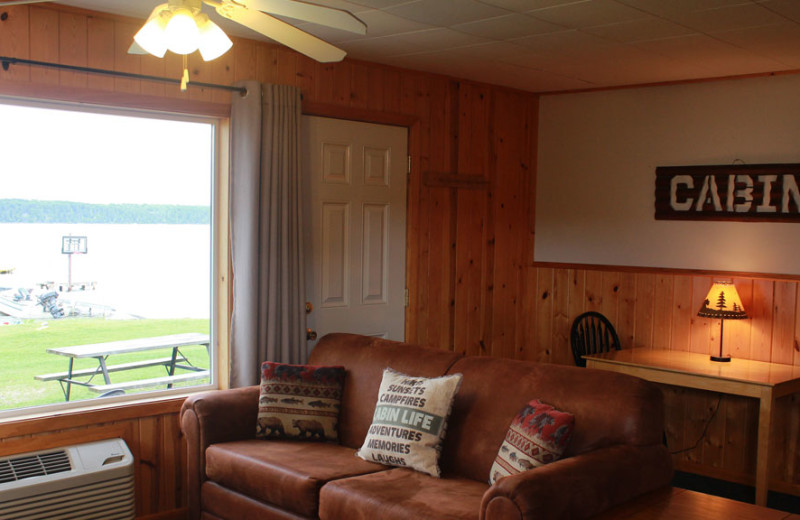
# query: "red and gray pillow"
[[299, 402], [537, 436]]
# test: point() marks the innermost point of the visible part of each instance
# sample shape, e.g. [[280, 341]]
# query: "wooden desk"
[[760, 380], [689, 505], [101, 352]]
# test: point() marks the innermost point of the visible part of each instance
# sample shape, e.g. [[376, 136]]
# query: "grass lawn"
[[23, 355]]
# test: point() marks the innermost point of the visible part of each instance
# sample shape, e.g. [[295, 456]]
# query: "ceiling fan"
[[256, 15]]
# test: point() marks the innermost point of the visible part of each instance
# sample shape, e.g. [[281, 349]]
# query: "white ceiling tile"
[[588, 13], [787, 8], [380, 4], [669, 8], [487, 52], [381, 23], [520, 6], [728, 18], [778, 42], [507, 27], [439, 39], [717, 57], [638, 30], [445, 13], [564, 42]]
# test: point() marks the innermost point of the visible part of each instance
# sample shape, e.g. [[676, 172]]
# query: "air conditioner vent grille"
[[19, 468]]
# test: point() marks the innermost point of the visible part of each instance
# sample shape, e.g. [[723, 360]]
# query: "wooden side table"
[[757, 379]]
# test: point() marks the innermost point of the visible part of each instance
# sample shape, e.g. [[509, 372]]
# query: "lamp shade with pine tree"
[[723, 303]]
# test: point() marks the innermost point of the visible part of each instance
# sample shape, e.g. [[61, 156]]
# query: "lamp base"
[[722, 359]]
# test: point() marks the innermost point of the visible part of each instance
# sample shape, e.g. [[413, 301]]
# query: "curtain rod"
[[6, 61]]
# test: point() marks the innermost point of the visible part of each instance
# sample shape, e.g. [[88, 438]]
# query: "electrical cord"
[[705, 430]]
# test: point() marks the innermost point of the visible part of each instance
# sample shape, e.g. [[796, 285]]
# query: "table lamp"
[[722, 302]]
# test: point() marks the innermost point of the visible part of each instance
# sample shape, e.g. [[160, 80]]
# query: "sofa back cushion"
[[364, 359], [609, 409]]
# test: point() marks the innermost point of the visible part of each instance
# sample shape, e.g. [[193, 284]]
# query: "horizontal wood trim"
[[788, 72], [667, 271], [454, 180], [14, 427], [183, 105]]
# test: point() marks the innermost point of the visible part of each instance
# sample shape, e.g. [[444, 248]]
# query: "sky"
[[80, 156]]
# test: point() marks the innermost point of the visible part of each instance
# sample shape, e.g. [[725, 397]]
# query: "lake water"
[[148, 270]]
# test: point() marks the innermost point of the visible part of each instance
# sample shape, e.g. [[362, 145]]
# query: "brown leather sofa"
[[615, 454]]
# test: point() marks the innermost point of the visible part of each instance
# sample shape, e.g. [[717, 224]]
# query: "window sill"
[[94, 413]]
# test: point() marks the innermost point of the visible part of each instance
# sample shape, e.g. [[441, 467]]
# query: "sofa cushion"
[[609, 409], [220, 503], [537, 436], [299, 402], [364, 358], [410, 421], [401, 494], [286, 474]]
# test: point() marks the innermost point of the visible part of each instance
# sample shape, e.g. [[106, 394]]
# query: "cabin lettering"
[[767, 192]]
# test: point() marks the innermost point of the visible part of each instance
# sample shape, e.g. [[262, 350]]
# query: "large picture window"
[[107, 244]]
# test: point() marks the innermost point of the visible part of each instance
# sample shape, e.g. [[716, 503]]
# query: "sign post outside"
[[71, 245]]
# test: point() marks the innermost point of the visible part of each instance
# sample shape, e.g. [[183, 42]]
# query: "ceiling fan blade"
[[283, 33], [135, 48], [23, 2], [328, 16]]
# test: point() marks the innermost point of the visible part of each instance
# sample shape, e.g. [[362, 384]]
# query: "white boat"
[[53, 304]]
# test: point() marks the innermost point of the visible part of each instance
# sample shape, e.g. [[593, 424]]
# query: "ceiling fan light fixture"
[[181, 33], [151, 36], [213, 40]]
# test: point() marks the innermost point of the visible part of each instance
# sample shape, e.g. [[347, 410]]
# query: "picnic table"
[[101, 352]]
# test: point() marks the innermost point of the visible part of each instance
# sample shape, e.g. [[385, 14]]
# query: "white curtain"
[[268, 321]]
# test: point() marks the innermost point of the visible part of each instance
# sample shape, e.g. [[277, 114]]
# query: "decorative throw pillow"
[[537, 436], [410, 421], [299, 402]]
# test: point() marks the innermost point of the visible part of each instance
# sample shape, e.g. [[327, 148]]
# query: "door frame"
[[412, 125]]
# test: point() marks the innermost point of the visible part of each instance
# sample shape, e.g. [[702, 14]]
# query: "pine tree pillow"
[[410, 421], [537, 436], [299, 402]]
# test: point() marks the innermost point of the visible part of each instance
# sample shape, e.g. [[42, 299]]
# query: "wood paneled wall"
[[473, 286]]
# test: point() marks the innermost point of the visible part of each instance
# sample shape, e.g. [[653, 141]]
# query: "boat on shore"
[[53, 300]]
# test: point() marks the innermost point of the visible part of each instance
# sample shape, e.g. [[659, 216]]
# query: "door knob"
[[311, 335]]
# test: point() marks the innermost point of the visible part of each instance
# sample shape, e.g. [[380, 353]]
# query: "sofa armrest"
[[209, 418], [581, 486]]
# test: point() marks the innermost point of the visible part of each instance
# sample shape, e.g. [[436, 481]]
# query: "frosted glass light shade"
[[181, 32], [213, 40], [151, 36]]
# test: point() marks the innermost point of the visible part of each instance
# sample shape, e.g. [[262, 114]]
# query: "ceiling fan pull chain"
[[185, 77]]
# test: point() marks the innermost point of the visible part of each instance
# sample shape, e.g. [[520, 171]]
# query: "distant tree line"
[[63, 212]]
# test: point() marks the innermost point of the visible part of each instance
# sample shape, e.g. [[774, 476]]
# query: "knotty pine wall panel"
[[473, 287]]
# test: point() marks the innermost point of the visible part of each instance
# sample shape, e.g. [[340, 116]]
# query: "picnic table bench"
[[101, 352]]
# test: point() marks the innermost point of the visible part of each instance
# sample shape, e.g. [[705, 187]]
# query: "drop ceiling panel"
[[445, 13], [729, 18], [507, 26], [588, 13], [644, 29]]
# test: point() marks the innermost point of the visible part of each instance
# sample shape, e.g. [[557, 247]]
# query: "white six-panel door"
[[355, 181]]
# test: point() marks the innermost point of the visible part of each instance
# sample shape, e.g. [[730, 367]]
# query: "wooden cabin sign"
[[741, 192]]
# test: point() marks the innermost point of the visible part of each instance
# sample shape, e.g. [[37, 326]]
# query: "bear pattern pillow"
[[537, 436], [410, 421], [299, 402]]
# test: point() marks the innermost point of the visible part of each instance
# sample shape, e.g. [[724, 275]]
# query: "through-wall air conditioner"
[[86, 482]]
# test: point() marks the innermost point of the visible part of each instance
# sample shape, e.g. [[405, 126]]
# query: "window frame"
[[219, 253]]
